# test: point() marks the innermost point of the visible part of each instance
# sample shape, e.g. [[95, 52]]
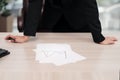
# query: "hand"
[[17, 39], [108, 41]]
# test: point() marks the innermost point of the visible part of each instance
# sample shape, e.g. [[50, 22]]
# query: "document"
[[57, 54]]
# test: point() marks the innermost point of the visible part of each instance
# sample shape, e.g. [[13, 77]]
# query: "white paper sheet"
[[57, 54]]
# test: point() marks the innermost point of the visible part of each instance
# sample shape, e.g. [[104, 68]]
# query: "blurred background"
[[109, 14]]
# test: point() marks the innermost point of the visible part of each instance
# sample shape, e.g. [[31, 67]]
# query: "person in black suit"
[[63, 16]]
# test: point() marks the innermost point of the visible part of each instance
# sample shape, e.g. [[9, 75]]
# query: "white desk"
[[102, 63]]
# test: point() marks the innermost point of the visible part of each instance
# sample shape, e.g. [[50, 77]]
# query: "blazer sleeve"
[[33, 17], [92, 14], [96, 30]]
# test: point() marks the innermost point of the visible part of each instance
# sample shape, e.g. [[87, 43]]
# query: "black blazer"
[[78, 13]]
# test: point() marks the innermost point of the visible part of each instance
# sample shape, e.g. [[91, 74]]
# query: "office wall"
[[109, 14]]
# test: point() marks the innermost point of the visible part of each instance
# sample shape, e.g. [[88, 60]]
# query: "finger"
[[108, 42], [7, 37], [17, 40], [112, 38], [12, 36], [13, 41], [111, 42], [9, 41]]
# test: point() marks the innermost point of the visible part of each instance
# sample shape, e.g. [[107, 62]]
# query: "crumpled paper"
[[57, 54]]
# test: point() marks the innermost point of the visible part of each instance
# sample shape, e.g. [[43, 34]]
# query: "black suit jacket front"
[[78, 13]]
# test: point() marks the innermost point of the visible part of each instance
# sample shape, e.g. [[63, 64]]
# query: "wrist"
[[26, 37]]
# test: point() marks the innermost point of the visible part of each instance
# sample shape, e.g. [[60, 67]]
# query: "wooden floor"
[[102, 63]]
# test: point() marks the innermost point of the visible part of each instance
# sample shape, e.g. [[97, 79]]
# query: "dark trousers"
[[63, 26]]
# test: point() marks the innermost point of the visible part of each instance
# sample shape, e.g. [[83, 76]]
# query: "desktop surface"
[[102, 63]]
